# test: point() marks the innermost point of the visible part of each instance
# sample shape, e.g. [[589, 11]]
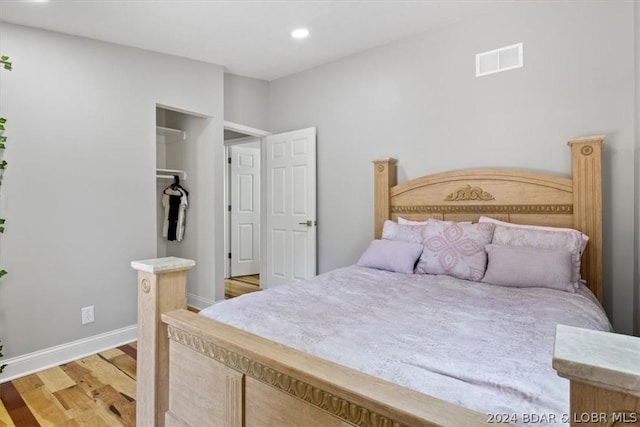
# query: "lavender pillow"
[[391, 255], [543, 239], [455, 249], [524, 267], [402, 232], [583, 237]]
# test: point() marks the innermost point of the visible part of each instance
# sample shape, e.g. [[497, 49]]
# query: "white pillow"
[[403, 221]]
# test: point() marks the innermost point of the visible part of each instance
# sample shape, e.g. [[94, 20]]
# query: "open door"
[[244, 173], [290, 207]]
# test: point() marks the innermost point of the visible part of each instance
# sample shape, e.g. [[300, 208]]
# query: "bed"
[[220, 371]]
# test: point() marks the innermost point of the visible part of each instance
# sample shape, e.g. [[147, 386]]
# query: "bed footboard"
[[218, 372], [193, 370]]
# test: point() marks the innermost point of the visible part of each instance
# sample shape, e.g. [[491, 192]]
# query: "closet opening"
[[243, 197], [177, 137]]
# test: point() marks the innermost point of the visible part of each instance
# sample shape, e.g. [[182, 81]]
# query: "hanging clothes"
[[175, 200]]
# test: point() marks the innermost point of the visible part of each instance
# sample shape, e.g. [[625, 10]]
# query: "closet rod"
[[169, 173], [167, 177]]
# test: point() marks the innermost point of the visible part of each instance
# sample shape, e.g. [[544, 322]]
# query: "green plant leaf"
[[1, 229], [3, 120], [3, 273], [3, 164], [3, 138], [2, 146], [2, 220], [4, 59]]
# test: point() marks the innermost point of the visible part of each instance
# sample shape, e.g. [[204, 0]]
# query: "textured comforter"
[[485, 347]]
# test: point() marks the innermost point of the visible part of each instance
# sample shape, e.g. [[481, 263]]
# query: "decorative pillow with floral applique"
[[455, 249]]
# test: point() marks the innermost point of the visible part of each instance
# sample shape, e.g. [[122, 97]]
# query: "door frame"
[[252, 135]]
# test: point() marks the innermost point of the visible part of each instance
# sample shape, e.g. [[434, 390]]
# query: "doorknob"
[[308, 223]]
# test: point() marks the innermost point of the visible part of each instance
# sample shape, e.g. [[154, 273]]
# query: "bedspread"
[[485, 347]]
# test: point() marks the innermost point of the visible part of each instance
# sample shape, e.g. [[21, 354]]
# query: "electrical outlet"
[[87, 315]]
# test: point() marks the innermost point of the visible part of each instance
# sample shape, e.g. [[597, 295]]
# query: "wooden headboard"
[[508, 195]]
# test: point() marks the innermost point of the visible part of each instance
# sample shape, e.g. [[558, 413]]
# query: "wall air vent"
[[503, 59]]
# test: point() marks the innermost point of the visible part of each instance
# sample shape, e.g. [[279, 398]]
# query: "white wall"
[[418, 100], [79, 194], [246, 101]]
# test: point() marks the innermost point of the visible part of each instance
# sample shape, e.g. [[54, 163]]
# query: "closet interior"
[[172, 176], [186, 148]]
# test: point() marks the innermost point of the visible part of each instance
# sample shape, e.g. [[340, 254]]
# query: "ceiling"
[[248, 37]]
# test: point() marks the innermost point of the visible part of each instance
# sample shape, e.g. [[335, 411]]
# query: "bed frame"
[[508, 195], [194, 371]]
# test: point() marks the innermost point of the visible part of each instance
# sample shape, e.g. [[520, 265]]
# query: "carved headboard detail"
[[469, 193], [509, 195]]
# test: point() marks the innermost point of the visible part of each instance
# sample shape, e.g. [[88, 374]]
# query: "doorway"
[[243, 199], [244, 208], [270, 196]]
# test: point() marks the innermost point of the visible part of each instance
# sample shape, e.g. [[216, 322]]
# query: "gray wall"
[[246, 101], [637, 167], [79, 194], [419, 101]]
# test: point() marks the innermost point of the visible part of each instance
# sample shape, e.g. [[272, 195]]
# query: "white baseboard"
[[198, 302], [53, 356]]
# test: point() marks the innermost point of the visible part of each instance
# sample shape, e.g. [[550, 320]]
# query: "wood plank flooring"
[[99, 390], [236, 286]]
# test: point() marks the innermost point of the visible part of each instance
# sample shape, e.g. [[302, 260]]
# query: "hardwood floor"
[[99, 390], [236, 286]]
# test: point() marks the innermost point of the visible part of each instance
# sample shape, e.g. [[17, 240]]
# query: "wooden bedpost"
[[161, 288], [604, 373], [586, 166], [384, 175]]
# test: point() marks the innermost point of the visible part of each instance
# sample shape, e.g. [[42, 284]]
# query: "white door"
[[290, 205], [245, 210]]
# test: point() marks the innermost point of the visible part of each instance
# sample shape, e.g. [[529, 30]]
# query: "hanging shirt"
[[182, 214], [174, 202]]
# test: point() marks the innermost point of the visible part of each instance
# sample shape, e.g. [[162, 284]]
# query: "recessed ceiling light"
[[300, 33]]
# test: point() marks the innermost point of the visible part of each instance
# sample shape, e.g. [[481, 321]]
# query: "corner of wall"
[[636, 307]]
